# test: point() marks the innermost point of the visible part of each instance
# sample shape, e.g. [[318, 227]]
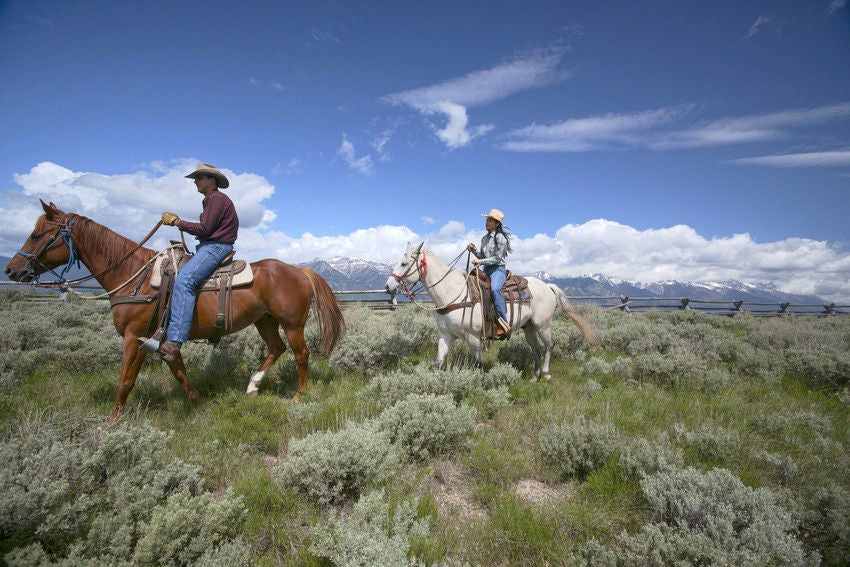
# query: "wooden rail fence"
[[379, 299]]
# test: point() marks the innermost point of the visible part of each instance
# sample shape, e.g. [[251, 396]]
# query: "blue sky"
[[643, 140]]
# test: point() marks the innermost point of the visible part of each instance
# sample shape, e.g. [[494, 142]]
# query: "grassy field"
[[681, 439]]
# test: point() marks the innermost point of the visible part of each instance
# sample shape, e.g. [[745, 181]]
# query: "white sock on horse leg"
[[254, 383]]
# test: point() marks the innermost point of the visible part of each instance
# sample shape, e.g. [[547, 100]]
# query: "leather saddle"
[[515, 291], [239, 271]]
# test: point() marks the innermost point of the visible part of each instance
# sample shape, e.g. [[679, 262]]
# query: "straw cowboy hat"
[[211, 170], [495, 214]]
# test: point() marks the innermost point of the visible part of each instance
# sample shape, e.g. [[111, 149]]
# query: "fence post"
[[828, 310], [624, 304], [684, 306], [737, 305]]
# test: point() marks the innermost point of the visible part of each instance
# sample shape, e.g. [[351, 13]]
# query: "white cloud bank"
[[131, 204], [454, 97], [667, 128]]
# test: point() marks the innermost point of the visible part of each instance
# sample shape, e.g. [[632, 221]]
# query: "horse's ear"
[[50, 210]]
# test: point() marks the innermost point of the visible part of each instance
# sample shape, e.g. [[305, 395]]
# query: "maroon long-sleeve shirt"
[[218, 222]]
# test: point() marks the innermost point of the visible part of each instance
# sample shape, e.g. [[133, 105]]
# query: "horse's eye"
[[35, 236], [403, 264]]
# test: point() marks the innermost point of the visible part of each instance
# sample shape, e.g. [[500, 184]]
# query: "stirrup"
[[504, 325], [151, 345]]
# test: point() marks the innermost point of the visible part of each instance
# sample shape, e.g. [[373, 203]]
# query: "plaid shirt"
[[218, 222], [494, 248]]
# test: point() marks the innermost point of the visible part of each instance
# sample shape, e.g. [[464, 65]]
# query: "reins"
[[65, 232], [422, 268]]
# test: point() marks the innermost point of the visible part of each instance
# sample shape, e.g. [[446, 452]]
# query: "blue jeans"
[[497, 280], [207, 257]]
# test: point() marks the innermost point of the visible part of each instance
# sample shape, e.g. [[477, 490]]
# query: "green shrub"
[[373, 341], [705, 519], [393, 387], [575, 449], [424, 425], [645, 457], [827, 524], [369, 535], [107, 496], [331, 467], [782, 468], [595, 366], [711, 442]]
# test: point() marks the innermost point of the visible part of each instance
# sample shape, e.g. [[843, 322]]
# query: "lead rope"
[[463, 289]]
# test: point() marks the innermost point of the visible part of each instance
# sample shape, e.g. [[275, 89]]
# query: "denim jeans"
[[207, 257], [497, 280]]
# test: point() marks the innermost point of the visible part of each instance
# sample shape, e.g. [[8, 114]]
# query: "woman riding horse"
[[495, 246]]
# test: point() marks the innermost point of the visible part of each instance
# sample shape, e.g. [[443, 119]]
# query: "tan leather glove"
[[169, 218], [475, 261]]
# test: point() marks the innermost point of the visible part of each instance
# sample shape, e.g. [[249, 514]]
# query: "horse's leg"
[[268, 329], [546, 336], [443, 344], [178, 368], [533, 340], [295, 337], [131, 362]]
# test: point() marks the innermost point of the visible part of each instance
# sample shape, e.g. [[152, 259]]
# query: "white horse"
[[447, 286]]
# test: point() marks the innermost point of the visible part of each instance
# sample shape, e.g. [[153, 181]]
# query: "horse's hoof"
[[547, 377], [533, 379], [252, 393], [193, 396]]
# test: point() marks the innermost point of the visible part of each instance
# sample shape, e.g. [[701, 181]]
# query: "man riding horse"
[[216, 232]]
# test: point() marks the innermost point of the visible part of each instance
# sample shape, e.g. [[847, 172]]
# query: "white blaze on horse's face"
[[406, 271]]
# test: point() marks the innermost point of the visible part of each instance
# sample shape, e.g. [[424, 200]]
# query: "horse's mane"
[[114, 247]]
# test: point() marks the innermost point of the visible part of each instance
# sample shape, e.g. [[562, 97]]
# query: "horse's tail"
[[328, 314], [583, 324]]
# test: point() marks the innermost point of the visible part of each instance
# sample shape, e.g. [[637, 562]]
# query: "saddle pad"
[[242, 273]]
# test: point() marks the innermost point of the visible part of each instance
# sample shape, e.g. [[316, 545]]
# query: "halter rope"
[[66, 234], [422, 268]]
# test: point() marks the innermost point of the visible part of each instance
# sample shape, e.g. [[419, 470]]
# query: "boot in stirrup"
[[503, 329], [169, 351]]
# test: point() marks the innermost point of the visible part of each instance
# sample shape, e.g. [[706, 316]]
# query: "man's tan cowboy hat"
[[494, 214], [211, 170]]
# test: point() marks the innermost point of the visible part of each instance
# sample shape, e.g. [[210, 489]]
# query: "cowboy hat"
[[211, 170], [495, 214]]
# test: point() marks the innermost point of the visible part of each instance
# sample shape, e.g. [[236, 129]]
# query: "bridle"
[[421, 267], [63, 235]]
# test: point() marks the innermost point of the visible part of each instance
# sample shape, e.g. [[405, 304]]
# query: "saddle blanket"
[[242, 273]]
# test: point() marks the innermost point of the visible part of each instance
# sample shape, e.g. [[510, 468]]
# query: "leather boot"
[[503, 328], [169, 351]]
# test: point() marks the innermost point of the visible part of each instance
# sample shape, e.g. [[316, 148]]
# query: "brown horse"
[[279, 296]]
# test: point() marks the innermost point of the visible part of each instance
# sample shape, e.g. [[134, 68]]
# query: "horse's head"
[[406, 271], [45, 248]]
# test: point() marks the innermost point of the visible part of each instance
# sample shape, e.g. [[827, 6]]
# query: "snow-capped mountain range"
[[357, 274], [346, 274]]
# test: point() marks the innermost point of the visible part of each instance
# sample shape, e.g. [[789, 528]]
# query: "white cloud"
[[361, 164], [456, 134], [812, 159], [453, 98], [666, 128], [835, 6], [595, 132], [131, 204], [765, 25]]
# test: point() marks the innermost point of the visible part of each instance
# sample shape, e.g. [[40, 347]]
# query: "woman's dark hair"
[[506, 233]]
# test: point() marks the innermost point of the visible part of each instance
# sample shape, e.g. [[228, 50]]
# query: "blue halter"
[[63, 235]]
